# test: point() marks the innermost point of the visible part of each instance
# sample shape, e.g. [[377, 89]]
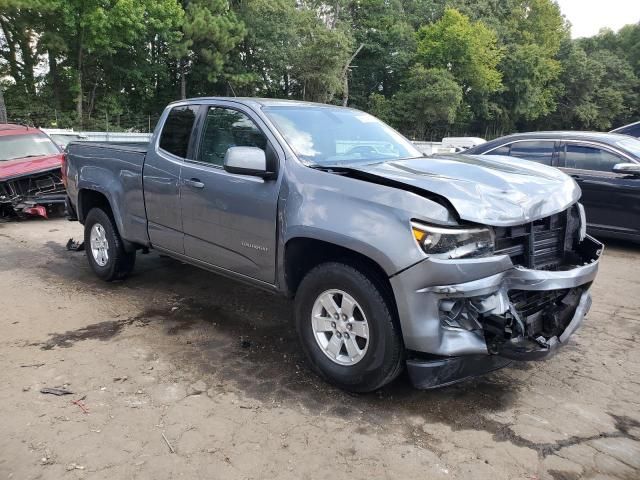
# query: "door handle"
[[194, 182]]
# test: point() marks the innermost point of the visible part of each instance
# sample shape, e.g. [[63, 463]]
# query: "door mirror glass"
[[627, 169], [246, 161]]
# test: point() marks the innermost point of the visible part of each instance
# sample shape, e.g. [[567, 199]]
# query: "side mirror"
[[627, 169], [246, 161]]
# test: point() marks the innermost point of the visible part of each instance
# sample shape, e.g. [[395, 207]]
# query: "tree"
[[318, 60], [388, 51], [470, 52], [467, 49], [210, 32], [429, 97], [530, 33], [18, 19], [3, 108], [596, 89], [261, 64]]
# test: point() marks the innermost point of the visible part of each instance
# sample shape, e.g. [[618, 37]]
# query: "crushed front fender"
[[446, 318]]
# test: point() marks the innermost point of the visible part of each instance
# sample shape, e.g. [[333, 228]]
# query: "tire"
[[383, 357], [118, 263]]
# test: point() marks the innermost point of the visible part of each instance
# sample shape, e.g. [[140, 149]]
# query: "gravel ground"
[[185, 374]]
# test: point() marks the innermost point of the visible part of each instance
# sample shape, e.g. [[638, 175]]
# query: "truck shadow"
[[232, 334]]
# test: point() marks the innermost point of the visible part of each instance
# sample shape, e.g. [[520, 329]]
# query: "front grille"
[[543, 244], [545, 313], [530, 302]]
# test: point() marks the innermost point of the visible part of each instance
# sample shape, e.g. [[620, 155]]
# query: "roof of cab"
[[259, 102], [567, 134]]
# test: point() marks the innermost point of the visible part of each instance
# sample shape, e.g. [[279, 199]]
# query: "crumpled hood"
[[490, 190], [27, 166]]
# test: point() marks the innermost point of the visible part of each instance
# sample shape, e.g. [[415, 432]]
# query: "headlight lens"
[[443, 242]]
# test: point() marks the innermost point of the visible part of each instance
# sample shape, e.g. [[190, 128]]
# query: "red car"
[[30, 172]]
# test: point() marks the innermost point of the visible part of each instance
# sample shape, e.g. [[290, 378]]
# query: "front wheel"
[[105, 250], [346, 328]]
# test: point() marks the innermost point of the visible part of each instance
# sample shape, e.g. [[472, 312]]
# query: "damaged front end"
[[40, 194], [521, 303]]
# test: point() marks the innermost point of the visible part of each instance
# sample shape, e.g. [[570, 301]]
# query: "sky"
[[587, 17]]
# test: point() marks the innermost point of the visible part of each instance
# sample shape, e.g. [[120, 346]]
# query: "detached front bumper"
[[461, 318]]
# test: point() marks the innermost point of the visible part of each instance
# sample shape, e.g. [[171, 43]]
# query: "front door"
[[609, 198], [229, 220]]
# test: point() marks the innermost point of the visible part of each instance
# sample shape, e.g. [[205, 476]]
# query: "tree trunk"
[[11, 56], [92, 99], [3, 109], [79, 66], [55, 79], [345, 76], [79, 87], [183, 82]]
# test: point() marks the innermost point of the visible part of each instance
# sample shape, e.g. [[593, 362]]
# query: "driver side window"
[[225, 128]]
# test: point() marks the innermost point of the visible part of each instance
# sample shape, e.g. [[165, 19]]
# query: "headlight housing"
[[442, 242]]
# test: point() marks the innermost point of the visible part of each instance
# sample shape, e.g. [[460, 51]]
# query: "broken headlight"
[[441, 242]]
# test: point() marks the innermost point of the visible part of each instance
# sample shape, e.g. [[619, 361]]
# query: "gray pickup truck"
[[452, 266]]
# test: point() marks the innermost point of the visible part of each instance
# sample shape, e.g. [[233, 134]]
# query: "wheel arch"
[[90, 198], [302, 254]]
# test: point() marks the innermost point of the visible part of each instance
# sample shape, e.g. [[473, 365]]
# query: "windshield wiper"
[[26, 156]]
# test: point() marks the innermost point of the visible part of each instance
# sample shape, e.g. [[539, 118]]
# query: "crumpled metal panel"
[[496, 191]]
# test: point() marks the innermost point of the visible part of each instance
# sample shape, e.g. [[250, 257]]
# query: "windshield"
[[30, 145], [631, 145], [333, 136]]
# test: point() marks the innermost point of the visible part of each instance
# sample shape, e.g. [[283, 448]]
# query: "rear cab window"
[[176, 131]]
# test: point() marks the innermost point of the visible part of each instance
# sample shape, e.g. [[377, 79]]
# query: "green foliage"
[[429, 67], [595, 89], [467, 49], [210, 31], [428, 97]]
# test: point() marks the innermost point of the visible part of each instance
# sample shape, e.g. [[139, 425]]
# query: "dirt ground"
[[213, 366]]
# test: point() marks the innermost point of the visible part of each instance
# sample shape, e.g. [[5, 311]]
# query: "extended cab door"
[[229, 220], [161, 178], [609, 198]]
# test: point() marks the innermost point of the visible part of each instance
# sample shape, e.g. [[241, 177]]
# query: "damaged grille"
[[20, 193], [545, 313], [545, 244], [528, 302]]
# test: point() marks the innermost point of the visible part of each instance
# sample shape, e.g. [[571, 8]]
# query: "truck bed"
[[117, 168], [137, 147]]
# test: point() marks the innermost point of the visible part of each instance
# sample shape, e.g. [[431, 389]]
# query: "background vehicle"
[[63, 136], [392, 258], [30, 176], [460, 144], [605, 165], [632, 129]]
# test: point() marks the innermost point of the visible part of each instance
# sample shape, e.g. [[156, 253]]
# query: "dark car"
[[605, 165], [632, 129]]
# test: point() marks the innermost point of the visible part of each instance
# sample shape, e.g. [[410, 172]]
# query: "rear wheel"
[[346, 327], [104, 247]]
